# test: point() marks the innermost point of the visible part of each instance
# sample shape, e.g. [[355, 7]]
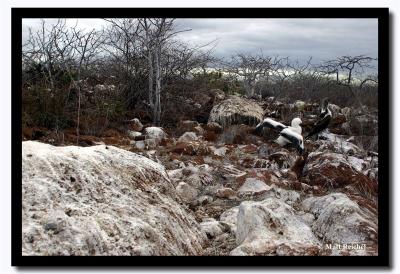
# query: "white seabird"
[[288, 134], [270, 123]]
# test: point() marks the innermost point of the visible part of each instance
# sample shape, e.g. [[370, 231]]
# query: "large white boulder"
[[236, 110], [340, 221], [101, 200], [271, 227]]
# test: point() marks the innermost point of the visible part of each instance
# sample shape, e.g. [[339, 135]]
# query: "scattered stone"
[[231, 173], [289, 197], [135, 125], [199, 130], [249, 149], [230, 217], [335, 109], [192, 148], [219, 151], [139, 145], [186, 192], [346, 111], [214, 127], [155, 133], [213, 228], [263, 151], [253, 186], [225, 193], [283, 158], [204, 200], [133, 134], [188, 137], [151, 143]]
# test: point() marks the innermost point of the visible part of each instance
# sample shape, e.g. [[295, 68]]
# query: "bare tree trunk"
[[151, 76], [79, 113], [157, 107], [248, 87]]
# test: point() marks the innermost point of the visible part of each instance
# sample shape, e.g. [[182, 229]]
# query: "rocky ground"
[[207, 189]]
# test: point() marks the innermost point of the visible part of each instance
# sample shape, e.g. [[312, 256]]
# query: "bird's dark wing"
[[294, 138], [269, 123], [319, 126]]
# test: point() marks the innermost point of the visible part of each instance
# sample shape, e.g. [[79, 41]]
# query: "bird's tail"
[[258, 128]]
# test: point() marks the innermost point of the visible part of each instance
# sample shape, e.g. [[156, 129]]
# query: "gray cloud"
[[297, 38]]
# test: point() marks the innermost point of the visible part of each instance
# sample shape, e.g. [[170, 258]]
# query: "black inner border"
[[382, 14]]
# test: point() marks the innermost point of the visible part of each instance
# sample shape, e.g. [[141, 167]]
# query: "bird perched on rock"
[[287, 135], [323, 121]]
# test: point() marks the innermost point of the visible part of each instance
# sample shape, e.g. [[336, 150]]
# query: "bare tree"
[[346, 69], [126, 54], [250, 68], [86, 47], [181, 59], [155, 34], [285, 70], [63, 50]]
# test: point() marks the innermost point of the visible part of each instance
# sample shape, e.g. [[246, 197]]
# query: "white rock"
[[155, 133], [230, 172], [335, 109], [188, 137], [339, 220], [133, 134], [357, 163], [212, 228], [151, 143], [340, 144], [101, 200], [262, 227], [198, 176], [139, 145], [175, 174], [288, 196], [225, 193], [186, 192], [253, 186], [218, 151], [230, 217], [346, 111]]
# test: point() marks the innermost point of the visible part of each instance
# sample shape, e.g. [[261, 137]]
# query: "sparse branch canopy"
[[251, 67], [345, 67]]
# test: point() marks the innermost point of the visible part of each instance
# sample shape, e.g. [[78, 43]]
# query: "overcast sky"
[[297, 38]]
